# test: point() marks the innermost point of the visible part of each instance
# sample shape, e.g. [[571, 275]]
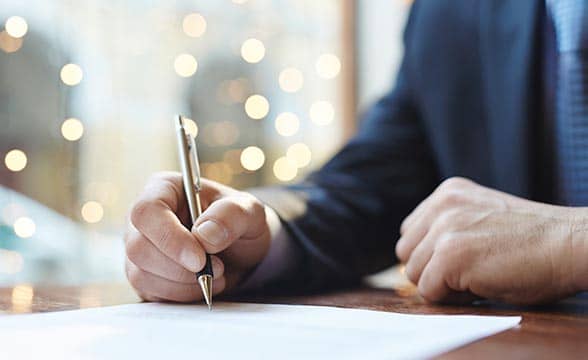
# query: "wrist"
[[579, 249]]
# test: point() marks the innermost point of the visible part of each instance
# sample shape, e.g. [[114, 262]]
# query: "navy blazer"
[[463, 103]]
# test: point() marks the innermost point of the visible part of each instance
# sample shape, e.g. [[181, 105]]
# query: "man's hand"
[[163, 255], [469, 239]]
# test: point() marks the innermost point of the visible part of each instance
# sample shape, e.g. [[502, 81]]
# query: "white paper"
[[238, 331]]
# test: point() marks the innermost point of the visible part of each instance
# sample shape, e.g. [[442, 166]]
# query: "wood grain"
[[558, 331]]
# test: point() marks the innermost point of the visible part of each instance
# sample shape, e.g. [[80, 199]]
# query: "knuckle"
[[135, 277], [450, 250], [257, 209], [452, 196], [139, 211], [411, 273], [135, 248], [401, 251], [446, 244], [427, 291], [448, 220], [455, 182], [166, 243]]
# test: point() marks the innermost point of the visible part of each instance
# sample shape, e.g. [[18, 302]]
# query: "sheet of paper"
[[238, 331]]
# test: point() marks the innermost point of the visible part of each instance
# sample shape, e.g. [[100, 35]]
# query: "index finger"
[[155, 216]]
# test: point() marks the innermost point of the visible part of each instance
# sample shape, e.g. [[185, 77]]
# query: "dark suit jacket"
[[464, 104]]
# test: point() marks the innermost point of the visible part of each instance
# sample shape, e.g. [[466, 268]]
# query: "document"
[[238, 331]]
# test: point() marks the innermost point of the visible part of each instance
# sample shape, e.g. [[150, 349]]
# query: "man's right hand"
[[163, 254]]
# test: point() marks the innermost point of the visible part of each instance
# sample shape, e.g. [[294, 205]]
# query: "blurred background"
[[88, 90]]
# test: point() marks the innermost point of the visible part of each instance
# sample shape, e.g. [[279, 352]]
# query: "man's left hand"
[[469, 239]]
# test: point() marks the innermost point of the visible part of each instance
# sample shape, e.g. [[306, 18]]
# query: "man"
[[492, 97]]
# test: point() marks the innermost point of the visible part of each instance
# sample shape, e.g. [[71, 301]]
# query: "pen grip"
[[207, 270]]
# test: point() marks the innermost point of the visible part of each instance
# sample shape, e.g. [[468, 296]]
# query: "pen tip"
[[205, 282]]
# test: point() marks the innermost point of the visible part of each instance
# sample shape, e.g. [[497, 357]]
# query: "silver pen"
[[191, 178]]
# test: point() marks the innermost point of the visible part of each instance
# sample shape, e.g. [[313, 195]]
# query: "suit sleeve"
[[344, 218]]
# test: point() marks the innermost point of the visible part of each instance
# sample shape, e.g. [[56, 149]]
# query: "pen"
[[191, 179]]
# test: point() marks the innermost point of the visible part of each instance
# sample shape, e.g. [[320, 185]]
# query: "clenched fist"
[[163, 254], [469, 239]]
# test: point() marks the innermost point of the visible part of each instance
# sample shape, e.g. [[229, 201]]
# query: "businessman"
[[473, 171]]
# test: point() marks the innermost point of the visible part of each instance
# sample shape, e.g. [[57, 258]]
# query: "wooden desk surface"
[[558, 331]]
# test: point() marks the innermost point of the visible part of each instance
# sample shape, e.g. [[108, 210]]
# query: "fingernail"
[[190, 260], [212, 232]]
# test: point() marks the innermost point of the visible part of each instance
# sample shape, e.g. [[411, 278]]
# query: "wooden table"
[[559, 331]]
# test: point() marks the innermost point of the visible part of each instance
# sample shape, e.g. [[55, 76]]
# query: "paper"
[[238, 331]]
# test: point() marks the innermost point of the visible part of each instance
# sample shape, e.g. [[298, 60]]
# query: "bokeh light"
[[322, 113], [22, 298], [15, 160], [252, 50], [72, 129], [71, 74], [185, 65], [256, 107], [194, 25], [299, 154], [287, 124], [291, 80], [92, 212], [328, 66], [16, 26], [8, 43], [24, 227], [239, 1], [252, 158], [285, 169]]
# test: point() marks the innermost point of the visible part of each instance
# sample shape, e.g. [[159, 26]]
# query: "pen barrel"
[[207, 270]]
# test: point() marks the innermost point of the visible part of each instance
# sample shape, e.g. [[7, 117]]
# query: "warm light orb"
[[22, 298], [328, 66], [16, 26], [299, 154], [239, 2], [8, 43], [72, 129], [252, 50], [256, 107], [92, 212], [322, 113], [291, 80], [71, 74], [252, 158], [284, 169], [15, 160], [24, 227], [194, 25], [191, 127], [185, 65], [287, 124]]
